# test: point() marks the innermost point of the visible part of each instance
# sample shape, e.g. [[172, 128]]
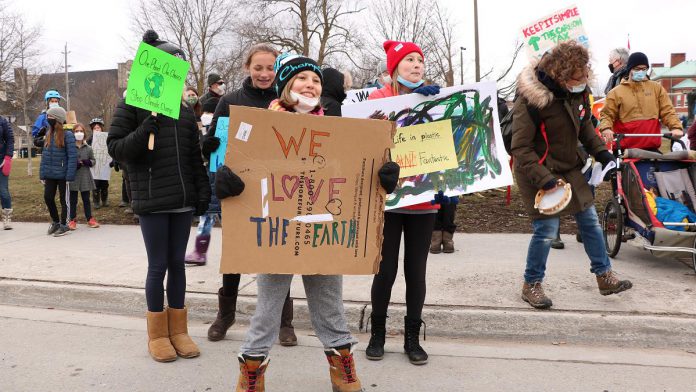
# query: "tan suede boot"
[[158, 344], [251, 370], [436, 242], [342, 369], [447, 242], [178, 334]]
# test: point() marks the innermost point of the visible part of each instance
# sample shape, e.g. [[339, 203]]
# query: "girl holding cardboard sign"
[[168, 184], [299, 84]]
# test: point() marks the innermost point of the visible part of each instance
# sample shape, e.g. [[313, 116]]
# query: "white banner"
[[101, 170]]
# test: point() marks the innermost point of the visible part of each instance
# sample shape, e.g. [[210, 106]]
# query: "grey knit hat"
[[58, 113]]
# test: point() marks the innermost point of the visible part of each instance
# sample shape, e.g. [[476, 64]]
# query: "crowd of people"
[[166, 190]]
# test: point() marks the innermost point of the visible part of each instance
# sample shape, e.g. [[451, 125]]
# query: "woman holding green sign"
[[168, 184]]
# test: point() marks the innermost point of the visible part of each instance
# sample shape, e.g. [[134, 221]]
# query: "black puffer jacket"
[[332, 93], [172, 175], [247, 95]]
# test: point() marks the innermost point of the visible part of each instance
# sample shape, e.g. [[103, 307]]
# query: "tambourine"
[[553, 202]]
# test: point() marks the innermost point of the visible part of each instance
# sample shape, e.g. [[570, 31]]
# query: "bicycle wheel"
[[612, 226]]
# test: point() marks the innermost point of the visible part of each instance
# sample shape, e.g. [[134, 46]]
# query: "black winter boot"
[[412, 347], [225, 317], [378, 331]]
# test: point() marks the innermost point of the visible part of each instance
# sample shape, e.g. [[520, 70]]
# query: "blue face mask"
[[639, 76], [408, 84], [577, 89]]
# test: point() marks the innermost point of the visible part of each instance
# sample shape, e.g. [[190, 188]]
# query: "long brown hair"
[[197, 109], [60, 135]]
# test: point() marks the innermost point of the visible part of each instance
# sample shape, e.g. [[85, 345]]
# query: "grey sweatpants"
[[325, 301]]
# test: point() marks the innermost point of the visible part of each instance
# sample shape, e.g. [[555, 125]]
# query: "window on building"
[[678, 99]]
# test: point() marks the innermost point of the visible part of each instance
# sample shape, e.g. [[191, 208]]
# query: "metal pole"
[[461, 64], [476, 38], [67, 81]]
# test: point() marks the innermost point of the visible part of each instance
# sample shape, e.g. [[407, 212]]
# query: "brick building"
[[679, 79]]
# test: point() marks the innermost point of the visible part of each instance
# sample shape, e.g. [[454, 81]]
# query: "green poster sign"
[[156, 81]]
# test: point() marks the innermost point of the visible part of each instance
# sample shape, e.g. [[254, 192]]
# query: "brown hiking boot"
[[534, 295], [609, 283], [225, 317], [251, 370], [286, 336], [447, 242], [436, 242], [342, 369]]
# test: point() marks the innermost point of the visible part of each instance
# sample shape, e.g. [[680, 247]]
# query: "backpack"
[[506, 126]]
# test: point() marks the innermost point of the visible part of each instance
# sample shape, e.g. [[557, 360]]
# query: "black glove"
[[428, 90], [210, 144], [441, 199], [149, 125], [116, 166], [389, 176], [227, 183], [201, 208], [605, 157], [87, 162], [550, 185]]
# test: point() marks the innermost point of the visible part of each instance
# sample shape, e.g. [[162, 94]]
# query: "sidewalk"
[[473, 293]]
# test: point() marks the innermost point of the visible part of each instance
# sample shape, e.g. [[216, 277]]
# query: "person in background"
[[617, 66], [83, 184], [52, 100], [58, 166], [100, 194], [334, 91], [557, 88], [691, 133], [190, 97], [383, 78], [169, 185], [6, 152], [216, 89], [639, 106]]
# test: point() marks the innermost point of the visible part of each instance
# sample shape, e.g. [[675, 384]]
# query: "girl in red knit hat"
[[406, 65]]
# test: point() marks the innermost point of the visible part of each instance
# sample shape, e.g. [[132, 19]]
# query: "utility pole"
[[476, 38], [461, 64], [67, 80]]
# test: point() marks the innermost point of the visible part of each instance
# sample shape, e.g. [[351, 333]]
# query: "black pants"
[[86, 204], [444, 221], [165, 238], [417, 230], [50, 188], [230, 285], [125, 186], [102, 191]]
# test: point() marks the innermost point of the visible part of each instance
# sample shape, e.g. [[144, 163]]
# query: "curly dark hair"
[[564, 60]]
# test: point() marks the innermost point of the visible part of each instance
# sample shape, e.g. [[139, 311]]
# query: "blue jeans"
[[5, 199], [205, 224], [545, 231]]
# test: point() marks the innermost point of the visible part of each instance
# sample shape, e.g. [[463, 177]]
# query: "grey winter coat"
[[83, 176]]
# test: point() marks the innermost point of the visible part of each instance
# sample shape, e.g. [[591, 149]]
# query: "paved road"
[[55, 350]]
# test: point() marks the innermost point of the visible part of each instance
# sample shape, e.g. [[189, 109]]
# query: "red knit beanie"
[[396, 51]]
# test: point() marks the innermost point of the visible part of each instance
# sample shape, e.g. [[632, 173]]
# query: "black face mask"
[[611, 68], [52, 122]]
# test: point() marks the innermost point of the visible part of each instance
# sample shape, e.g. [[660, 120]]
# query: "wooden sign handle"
[[151, 140]]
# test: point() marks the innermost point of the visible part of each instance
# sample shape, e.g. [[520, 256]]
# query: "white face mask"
[[304, 104], [79, 136], [53, 105], [206, 119], [220, 89]]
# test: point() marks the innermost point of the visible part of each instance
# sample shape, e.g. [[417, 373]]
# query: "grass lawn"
[[29, 206]]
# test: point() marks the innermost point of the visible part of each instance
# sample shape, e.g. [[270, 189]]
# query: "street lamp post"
[[461, 64]]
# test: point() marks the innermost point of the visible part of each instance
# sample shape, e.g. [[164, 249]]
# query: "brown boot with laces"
[[251, 370], [535, 296], [609, 283], [342, 369]]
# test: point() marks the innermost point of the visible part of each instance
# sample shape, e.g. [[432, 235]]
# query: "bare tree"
[[8, 41], [197, 26], [320, 29], [441, 41], [98, 98]]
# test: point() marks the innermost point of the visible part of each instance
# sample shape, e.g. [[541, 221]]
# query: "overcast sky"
[[97, 30]]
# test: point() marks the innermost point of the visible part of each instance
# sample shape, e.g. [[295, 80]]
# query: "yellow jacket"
[[638, 107]]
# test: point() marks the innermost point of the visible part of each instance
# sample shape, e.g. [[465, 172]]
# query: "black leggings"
[[165, 238], [50, 188], [417, 229], [445, 218], [230, 286], [102, 191], [86, 204]]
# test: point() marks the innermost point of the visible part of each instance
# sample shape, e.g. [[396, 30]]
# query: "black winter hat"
[[227, 183], [288, 65], [213, 78], [333, 84], [636, 59], [151, 38]]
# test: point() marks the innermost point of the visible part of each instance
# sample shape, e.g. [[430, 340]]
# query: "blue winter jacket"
[[41, 122], [59, 163], [6, 139]]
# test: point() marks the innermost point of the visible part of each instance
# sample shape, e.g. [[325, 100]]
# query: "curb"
[[593, 328]]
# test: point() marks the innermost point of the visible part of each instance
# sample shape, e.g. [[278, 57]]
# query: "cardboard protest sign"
[[355, 96], [544, 33], [473, 111], [101, 170], [217, 157], [424, 148], [156, 81], [312, 203]]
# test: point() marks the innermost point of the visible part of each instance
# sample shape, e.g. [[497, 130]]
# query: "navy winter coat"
[[6, 139], [59, 163]]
